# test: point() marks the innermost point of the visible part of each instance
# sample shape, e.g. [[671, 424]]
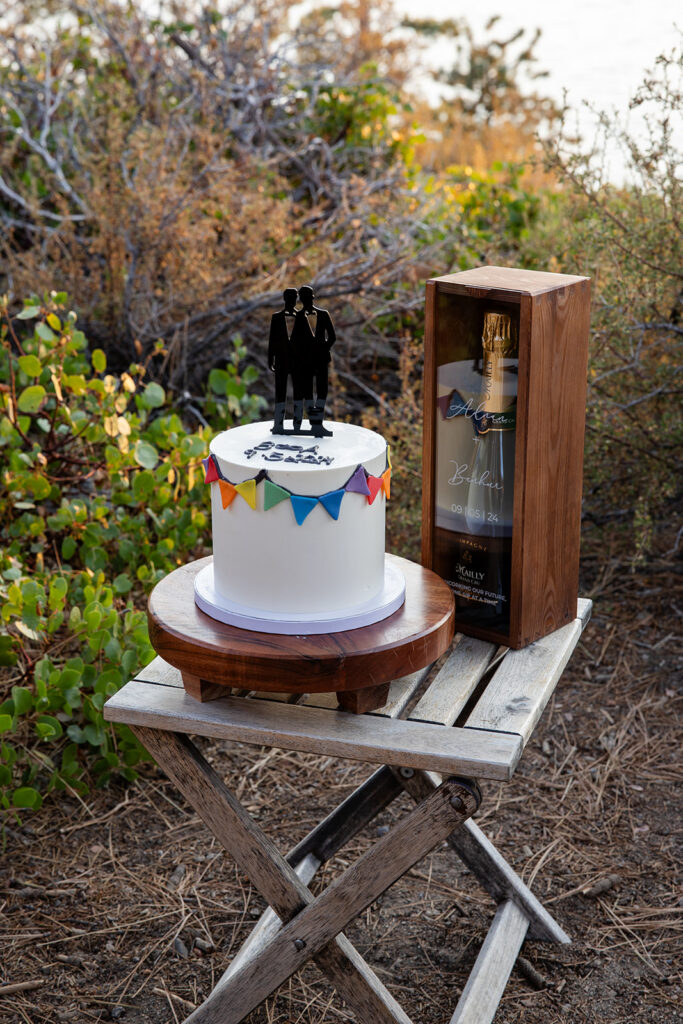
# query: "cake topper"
[[299, 347]]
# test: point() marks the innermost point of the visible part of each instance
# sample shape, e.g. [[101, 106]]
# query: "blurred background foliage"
[[170, 175]]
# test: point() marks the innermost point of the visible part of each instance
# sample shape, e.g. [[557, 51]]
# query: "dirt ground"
[[126, 907]]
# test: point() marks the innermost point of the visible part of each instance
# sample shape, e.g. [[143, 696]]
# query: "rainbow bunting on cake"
[[360, 482]]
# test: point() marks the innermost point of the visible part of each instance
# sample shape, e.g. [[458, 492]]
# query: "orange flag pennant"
[[386, 482], [228, 492]]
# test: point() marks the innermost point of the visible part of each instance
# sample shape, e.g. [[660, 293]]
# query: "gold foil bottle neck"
[[499, 334]]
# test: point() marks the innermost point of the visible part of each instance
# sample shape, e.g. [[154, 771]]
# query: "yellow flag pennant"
[[228, 492], [248, 492]]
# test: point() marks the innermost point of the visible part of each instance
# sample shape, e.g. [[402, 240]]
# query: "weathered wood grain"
[[521, 686], [508, 280], [489, 867], [267, 925], [455, 682], [360, 737], [413, 637], [489, 976], [345, 898], [346, 820], [159, 671], [584, 610], [272, 875]]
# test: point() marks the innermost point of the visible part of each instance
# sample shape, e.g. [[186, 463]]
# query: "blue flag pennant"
[[332, 502], [302, 506]]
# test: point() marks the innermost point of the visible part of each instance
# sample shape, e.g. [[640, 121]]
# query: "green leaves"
[[99, 361], [146, 454], [103, 495], [27, 797], [153, 397], [48, 728], [143, 485], [58, 591], [7, 654], [38, 486], [31, 398], [29, 312], [122, 584], [22, 700], [30, 365], [45, 334]]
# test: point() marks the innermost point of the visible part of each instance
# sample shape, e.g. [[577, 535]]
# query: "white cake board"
[[389, 600]]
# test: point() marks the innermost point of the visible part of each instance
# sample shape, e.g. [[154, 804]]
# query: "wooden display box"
[[531, 566]]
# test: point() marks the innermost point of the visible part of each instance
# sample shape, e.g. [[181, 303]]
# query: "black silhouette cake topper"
[[299, 347]]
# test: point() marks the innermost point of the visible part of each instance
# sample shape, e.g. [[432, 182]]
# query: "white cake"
[[298, 530]]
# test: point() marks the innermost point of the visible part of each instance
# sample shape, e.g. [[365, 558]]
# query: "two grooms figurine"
[[299, 347]]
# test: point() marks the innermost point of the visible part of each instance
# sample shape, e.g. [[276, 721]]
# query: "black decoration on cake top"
[[299, 347]]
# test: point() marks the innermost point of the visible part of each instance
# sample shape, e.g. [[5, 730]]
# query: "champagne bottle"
[[481, 572]]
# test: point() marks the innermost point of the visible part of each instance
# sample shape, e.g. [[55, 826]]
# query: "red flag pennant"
[[210, 470], [374, 484]]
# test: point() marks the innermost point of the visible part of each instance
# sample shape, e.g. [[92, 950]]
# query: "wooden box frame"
[[554, 317]]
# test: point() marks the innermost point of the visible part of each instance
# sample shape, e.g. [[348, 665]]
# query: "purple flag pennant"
[[358, 482]]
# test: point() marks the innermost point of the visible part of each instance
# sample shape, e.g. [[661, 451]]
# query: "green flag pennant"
[[273, 495]]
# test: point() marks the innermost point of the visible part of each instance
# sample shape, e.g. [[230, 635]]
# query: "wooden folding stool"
[[472, 721]]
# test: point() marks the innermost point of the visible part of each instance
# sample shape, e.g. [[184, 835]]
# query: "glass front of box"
[[475, 420]]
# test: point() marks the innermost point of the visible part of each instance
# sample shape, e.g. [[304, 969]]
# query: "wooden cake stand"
[[358, 664]]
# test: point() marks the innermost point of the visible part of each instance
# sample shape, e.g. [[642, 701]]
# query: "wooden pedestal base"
[[215, 658], [357, 701]]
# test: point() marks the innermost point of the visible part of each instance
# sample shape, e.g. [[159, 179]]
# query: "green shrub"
[[101, 496], [628, 240]]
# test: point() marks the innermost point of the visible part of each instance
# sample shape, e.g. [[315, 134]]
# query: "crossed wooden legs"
[[312, 927]]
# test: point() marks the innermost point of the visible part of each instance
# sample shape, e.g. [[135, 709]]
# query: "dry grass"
[[128, 907]]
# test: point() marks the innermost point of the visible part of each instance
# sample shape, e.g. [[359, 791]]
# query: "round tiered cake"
[[298, 531]]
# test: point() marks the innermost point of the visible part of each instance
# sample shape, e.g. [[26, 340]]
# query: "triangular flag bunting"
[[388, 457], [228, 492], [248, 492], [302, 506], [443, 404], [210, 471], [332, 502], [386, 482], [374, 484], [273, 495], [358, 482]]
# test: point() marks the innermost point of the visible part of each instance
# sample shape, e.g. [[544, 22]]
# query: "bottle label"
[[497, 421], [482, 419], [477, 575]]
